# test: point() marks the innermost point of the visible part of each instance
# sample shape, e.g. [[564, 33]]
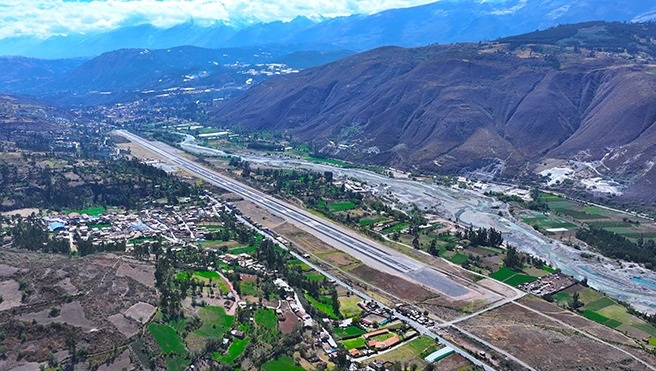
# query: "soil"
[[535, 340], [397, 286]]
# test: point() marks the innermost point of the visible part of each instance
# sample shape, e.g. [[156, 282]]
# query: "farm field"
[[412, 352], [284, 363], [629, 226], [215, 322], [511, 277], [167, 338]]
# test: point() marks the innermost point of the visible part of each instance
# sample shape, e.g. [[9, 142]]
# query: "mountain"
[[584, 92], [446, 21], [130, 74]]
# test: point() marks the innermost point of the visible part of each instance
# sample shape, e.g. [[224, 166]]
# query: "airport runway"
[[360, 247]]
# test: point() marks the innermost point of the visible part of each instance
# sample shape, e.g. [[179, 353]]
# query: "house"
[[238, 334]]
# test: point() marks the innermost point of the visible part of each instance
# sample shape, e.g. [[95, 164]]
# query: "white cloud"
[[45, 18]]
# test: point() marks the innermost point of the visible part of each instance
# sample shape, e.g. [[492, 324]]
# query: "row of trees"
[[617, 246]]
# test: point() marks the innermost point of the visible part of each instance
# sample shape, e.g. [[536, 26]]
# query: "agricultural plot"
[[348, 306], [410, 352], [356, 343], [511, 277], [167, 338], [349, 332], [284, 363], [341, 206], [236, 348], [266, 318], [323, 305], [215, 322]]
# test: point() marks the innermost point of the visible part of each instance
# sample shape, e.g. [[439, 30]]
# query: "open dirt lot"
[[537, 340], [87, 294]]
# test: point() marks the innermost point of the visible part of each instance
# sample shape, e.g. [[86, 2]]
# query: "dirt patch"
[[140, 312], [7, 270], [69, 313], [259, 214], [536, 340], [11, 296], [603, 332], [22, 212], [302, 239], [340, 259], [67, 285], [122, 362], [291, 320], [394, 285], [124, 325], [30, 366], [144, 274], [248, 277], [453, 362]]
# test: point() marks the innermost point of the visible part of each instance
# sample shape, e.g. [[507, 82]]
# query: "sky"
[[45, 18]]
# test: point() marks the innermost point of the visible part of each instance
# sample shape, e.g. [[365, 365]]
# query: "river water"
[[624, 281]]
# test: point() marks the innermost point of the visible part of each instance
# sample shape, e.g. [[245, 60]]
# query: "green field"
[[601, 319], [266, 318], [503, 274], [328, 161], [176, 363], [364, 222], [215, 322], [235, 350], [356, 343], [314, 276], [324, 308], [249, 288], [397, 227], [599, 304], [168, 340], [511, 277], [348, 306], [250, 250], [341, 206], [458, 259], [92, 210], [284, 363], [410, 352], [562, 298], [349, 332]]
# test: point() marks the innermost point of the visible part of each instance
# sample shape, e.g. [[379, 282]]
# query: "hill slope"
[[493, 107]]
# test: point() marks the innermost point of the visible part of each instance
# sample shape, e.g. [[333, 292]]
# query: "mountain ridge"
[[492, 107], [441, 22]]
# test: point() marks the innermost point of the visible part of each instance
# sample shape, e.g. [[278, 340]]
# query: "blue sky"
[[44, 18]]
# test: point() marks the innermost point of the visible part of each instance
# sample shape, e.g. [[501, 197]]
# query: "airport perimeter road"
[[384, 258]]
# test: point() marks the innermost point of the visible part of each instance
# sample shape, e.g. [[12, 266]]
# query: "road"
[[420, 328]]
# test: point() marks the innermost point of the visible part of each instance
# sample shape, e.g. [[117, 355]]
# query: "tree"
[[513, 259], [576, 301]]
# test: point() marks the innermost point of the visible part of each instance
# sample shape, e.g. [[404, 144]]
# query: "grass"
[[92, 210], [234, 351], [365, 222], [266, 318], [322, 307], [458, 259], [314, 277], [646, 327], [250, 250], [599, 304], [588, 295], [284, 363], [215, 322], [503, 274], [383, 337], [341, 206], [397, 227], [176, 363], [409, 352], [356, 343], [562, 298], [328, 161], [348, 306], [167, 338], [99, 225], [249, 288], [349, 332], [601, 319]]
